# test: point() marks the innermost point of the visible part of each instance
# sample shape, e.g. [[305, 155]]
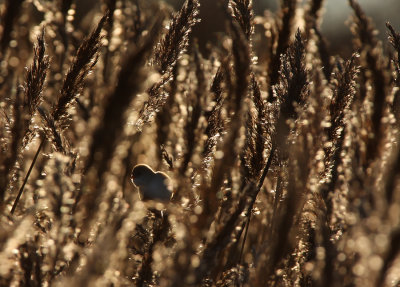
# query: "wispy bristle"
[[291, 90], [84, 61], [36, 75], [173, 44], [242, 11], [288, 8]]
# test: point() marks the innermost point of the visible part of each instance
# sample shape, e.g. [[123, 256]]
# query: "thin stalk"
[[260, 184], [27, 176]]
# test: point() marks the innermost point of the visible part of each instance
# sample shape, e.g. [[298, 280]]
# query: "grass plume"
[[282, 156]]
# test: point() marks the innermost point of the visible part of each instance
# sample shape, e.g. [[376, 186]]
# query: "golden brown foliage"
[[284, 165]]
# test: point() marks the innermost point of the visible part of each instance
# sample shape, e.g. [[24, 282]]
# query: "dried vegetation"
[[284, 158]]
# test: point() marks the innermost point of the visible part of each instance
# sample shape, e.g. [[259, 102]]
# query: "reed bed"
[[284, 158]]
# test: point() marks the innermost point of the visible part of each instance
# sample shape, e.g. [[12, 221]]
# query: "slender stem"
[[27, 176], [244, 237], [267, 166], [260, 184]]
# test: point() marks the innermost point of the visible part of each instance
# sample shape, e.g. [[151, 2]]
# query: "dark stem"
[[244, 237], [260, 184], [27, 176]]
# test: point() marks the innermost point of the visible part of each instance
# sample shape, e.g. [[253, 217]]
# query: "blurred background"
[[335, 15]]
